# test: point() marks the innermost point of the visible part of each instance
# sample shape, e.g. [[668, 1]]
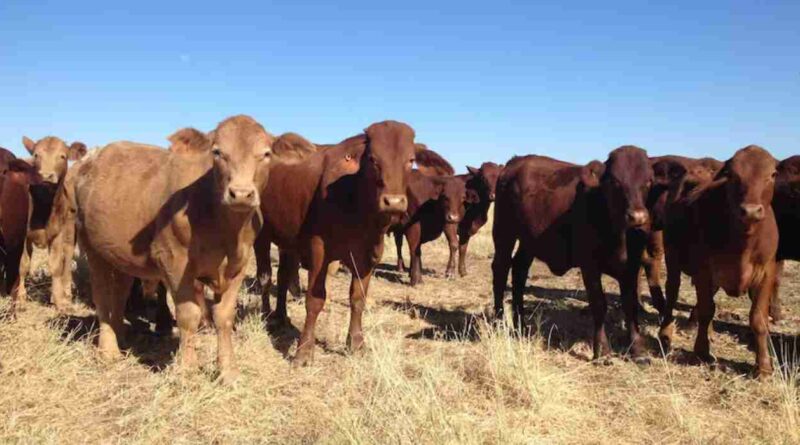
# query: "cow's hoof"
[[302, 359], [641, 360], [706, 358], [603, 361], [228, 377]]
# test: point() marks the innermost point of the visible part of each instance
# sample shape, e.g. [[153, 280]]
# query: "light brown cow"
[[50, 158], [182, 218]]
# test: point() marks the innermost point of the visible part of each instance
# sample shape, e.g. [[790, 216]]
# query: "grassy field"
[[432, 372]]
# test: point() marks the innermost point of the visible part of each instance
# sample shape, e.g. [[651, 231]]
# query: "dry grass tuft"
[[433, 371]]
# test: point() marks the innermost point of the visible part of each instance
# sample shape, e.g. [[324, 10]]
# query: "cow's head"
[[487, 179], [787, 186], [454, 196], [386, 164], [625, 185], [749, 183], [50, 157], [241, 150]]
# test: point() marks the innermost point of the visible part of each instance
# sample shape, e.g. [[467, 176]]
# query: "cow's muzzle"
[[752, 213], [241, 198], [637, 218], [393, 203]]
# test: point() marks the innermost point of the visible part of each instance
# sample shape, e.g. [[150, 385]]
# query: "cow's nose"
[[636, 218], [752, 212], [50, 177], [491, 196], [242, 196], [393, 203], [452, 217]]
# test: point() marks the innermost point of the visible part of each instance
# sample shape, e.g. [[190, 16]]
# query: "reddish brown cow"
[[592, 217], [50, 158], [431, 163], [481, 187], [16, 178], [674, 178], [724, 235], [435, 205], [336, 204], [786, 205]]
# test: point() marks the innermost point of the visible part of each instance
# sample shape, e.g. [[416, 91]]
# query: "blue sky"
[[478, 82]]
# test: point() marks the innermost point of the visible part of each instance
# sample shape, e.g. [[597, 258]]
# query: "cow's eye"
[[63, 157], [36, 156], [216, 152], [267, 154]]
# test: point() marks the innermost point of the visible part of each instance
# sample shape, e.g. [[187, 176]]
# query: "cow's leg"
[[20, 292], [463, 243], [224, 317], [164, 321], [13, 255], [263, 271], [58, 263], [775, 311], [452, 241], [315, 301], [599, 307], [652, 268], [705, 314], [398, 243], [519, 276], [359, 284], [287, 274], [760, 295], [414, 236], [667, 331], [180, 277], [110, 290], [629, 287], [501, 264]]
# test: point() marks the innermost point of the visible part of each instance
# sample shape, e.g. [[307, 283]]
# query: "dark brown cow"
[[435, 205], [16, 178], [786, 205], [724, 235], [336, 204], [674, 178], [481, 187], [50, 158], [592, 217]]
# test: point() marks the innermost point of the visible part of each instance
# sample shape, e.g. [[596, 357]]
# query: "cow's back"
[[119, 193]]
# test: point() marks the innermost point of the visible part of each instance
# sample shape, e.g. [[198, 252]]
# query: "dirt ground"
[[433, 371]]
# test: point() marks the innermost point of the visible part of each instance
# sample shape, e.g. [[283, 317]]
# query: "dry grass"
[[433, 372]]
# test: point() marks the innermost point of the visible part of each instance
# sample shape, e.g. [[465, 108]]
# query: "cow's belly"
[[732, 275]]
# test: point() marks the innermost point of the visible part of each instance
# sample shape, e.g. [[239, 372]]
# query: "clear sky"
[[480, 81]]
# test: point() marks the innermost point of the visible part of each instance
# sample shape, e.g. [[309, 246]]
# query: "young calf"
[[336, 204], [435, 205], [724, 235], [593, 217], [481, 187], [47, 224], [186, 219]]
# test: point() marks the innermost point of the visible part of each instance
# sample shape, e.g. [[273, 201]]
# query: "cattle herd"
[[186, 220]]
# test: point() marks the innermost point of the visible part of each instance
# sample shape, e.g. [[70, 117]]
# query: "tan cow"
[[184, 218], [50, 158]]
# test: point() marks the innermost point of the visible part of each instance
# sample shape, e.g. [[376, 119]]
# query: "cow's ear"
[[676, 171], [473, 171], [76, 151], [472, 197], [189, 140], [725, 171], [341, 162], [591, 173], [29, 144]]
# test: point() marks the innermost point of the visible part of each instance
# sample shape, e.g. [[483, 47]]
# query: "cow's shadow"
[[150, 349]]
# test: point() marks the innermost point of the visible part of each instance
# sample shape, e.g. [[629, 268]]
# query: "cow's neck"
[[43, 197]]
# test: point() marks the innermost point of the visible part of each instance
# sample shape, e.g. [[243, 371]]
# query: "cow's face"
[[487, 175], [454, 197], [750, 183], [386, 165], [625, 185], [241, 149], [50, 157]]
